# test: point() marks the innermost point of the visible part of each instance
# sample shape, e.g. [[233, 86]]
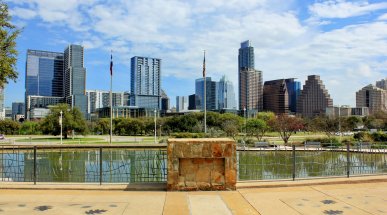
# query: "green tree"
[[29, 128], [102, 126], [352, 122], [9, 127], [256, 128], [72, 120], [327, 125], [8, 52], [286, 126]]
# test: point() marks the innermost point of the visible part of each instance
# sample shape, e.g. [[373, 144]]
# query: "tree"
[[327, 125], [286, 126], [72, 120], [103, 126], [8, 52], [9, 127], [257, 128], [29, 127], [352, 122]]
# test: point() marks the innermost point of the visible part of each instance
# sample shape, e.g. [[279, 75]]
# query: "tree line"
[[191, 125]]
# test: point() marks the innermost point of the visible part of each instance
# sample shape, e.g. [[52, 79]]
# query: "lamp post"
[[244, 116], [155, 127], [61, 126]]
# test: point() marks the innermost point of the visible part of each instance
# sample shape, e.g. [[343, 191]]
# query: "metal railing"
[[103, 164], [298, 162], [131, 164]]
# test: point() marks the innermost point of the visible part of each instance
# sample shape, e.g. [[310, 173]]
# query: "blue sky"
[[345, 42]]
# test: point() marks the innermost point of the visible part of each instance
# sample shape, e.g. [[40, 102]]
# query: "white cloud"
[[383, 17], [344, 9], [285, 46], [23, 13]]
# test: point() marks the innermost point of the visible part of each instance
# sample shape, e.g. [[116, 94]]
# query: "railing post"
[[34, 165], [294, 162], [348, 161], [100, 165]]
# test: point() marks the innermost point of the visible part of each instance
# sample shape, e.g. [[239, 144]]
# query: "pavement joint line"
[[165, 200], [248, 202], [224, 202], [189, 203], [290, 206], [320, 191]]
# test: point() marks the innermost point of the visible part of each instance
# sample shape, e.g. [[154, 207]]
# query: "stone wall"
[[201, 164]]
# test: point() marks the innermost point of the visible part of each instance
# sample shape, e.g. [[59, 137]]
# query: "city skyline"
[[338, 40]]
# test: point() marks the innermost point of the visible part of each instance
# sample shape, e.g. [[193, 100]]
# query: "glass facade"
[[44, 73], [226, 94], [294, 91], [2, 111], [211, 94], [145, 82], [75, 77]]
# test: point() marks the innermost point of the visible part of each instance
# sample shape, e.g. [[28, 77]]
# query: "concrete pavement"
[[353, 198]]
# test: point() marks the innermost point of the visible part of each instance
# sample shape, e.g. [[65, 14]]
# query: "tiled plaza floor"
[[359, 198]]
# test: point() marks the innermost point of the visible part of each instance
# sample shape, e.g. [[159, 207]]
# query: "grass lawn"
[[57, 139]]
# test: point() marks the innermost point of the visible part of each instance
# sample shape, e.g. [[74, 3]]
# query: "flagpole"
[[111, 97], [205, 93]]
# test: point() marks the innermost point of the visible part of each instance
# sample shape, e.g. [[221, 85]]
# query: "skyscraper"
[[145, 82], [44, 75], [75, 78], [17, 109], [246, 55], [249, 79], [372, 97], [164, 102], [192, 102], [382, 84], [294, 91], [211, 94], [226, 94], [250, 90], [99, 99], [181, 103], [276, 96], [314, 98]]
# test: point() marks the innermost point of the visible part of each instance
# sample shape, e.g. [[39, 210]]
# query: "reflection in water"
[[128, 166], [265, 165]]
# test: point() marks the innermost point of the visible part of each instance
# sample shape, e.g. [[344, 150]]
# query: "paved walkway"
[[360, 198]]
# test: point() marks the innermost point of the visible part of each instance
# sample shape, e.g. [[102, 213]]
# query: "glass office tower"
[[145, 82], [75, 78], [211, 94]]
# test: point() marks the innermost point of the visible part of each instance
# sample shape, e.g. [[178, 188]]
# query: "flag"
[[111, 65], [204, 65]]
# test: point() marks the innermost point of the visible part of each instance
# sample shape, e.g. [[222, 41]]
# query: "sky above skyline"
[[345, 42]]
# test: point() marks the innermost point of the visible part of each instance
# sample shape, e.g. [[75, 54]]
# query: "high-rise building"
[[17, 109], [44, 75], [100, 99], [164, 102], [75, 77], [246, 56], [294, 91], [2, 110], [249, 79], [276, 96], [314, 98], [145, 82], [211, 94], [192, 102], [250, 90], [226, 94], [181, 103], [372, 97], [382, 84]]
